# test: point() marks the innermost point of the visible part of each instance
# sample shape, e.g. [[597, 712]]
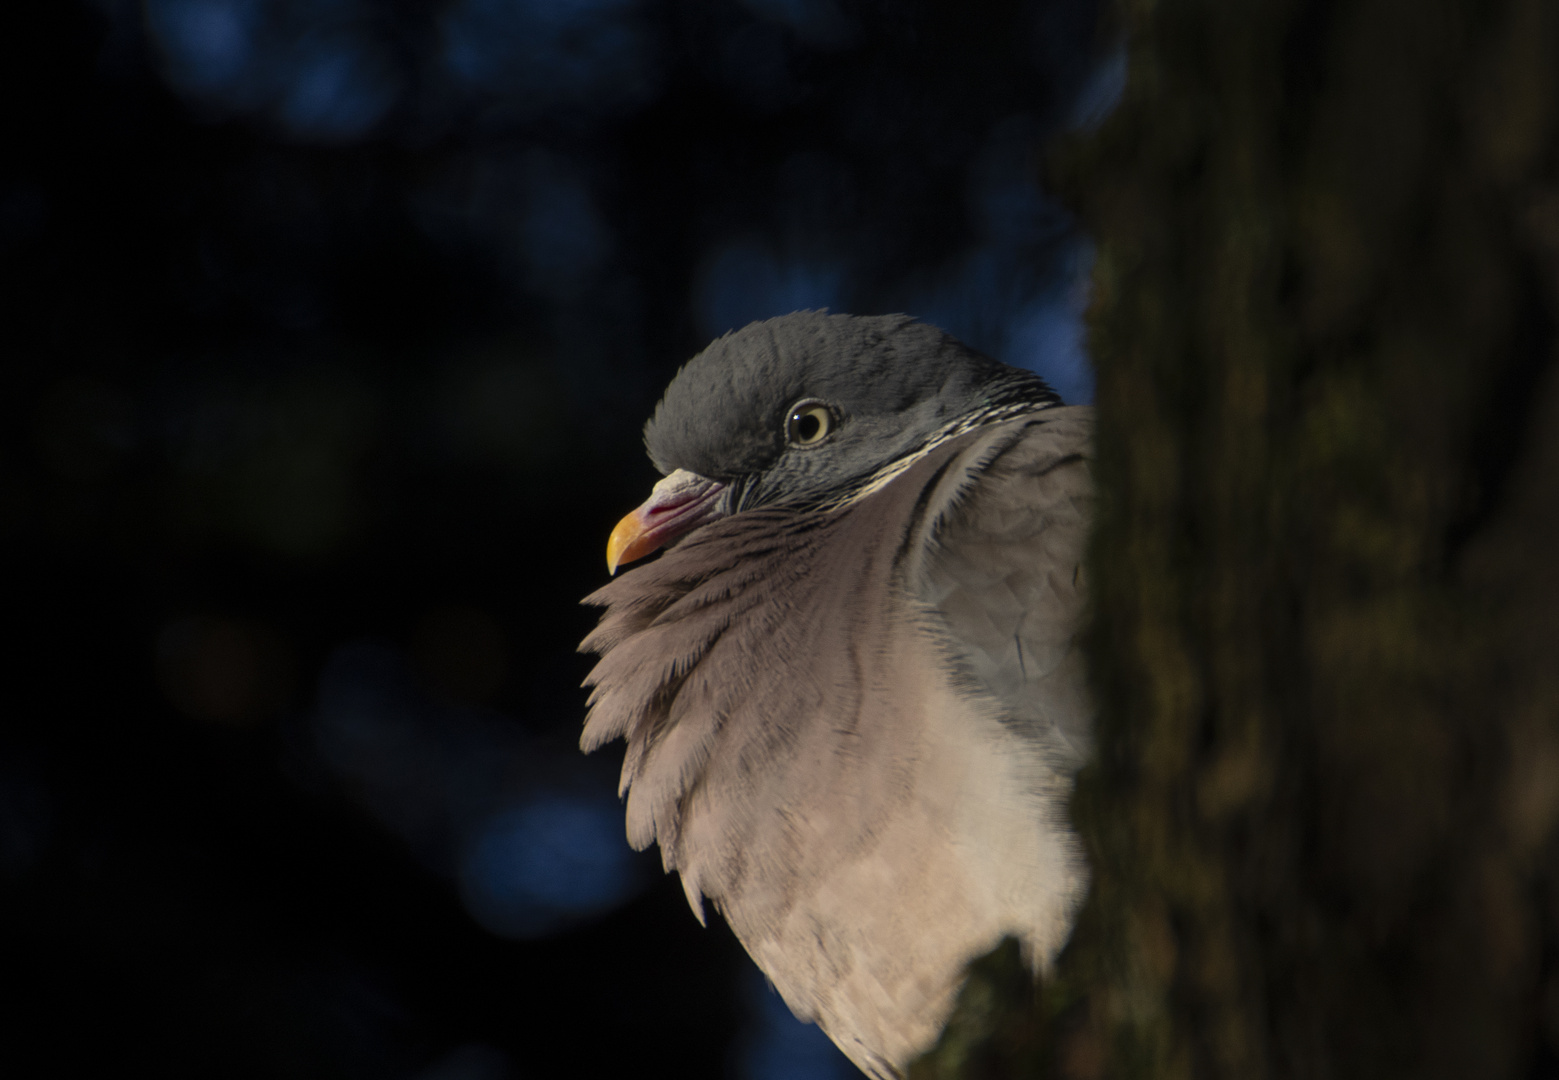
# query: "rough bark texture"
[[1327, 643]]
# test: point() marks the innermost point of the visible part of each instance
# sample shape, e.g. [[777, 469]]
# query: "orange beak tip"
[[619, 546]]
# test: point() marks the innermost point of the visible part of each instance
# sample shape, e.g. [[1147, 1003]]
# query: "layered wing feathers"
[[855, 731]]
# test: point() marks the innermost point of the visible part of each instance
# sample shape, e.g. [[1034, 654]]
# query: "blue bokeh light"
[[1048, 339], [1101, 93], [207, 45], [534, 868], [542, 53], [340, 88], [744, 281], [777, 1046], [318, 71], [563, 235], [1019, 291], [533, 835]]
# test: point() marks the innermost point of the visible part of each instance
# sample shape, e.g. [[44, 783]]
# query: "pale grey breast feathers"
[[855, 731]]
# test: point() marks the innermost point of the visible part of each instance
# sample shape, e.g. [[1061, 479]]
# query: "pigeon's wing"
[[850, 773], [1004, 572]]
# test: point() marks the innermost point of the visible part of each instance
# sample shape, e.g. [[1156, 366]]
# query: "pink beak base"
[[678, 504]]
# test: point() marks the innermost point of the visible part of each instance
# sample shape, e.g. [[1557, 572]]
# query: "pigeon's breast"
[[855, 731]]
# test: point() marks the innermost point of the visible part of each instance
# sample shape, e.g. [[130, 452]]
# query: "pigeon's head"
[[808, 410]]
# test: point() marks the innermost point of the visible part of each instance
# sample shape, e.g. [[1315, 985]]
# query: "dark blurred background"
[[327, 329]]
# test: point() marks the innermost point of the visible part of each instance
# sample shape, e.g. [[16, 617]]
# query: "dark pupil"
[[807, 425]]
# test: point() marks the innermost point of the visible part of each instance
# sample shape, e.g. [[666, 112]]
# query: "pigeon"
[[851, 685]]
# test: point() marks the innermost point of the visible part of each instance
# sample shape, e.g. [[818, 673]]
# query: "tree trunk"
[[1322, 818]]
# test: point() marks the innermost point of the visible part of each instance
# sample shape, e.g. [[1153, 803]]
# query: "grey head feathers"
[[894, 386]]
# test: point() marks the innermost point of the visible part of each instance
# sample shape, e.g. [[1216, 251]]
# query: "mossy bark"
[[1326, 571]]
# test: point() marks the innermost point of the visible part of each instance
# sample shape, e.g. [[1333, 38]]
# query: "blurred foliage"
[[327, 332], [1323, 816]]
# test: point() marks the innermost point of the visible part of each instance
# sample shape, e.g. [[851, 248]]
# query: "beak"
[[677, 505]]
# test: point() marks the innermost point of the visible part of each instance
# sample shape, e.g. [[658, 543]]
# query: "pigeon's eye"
[[810, 423]]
